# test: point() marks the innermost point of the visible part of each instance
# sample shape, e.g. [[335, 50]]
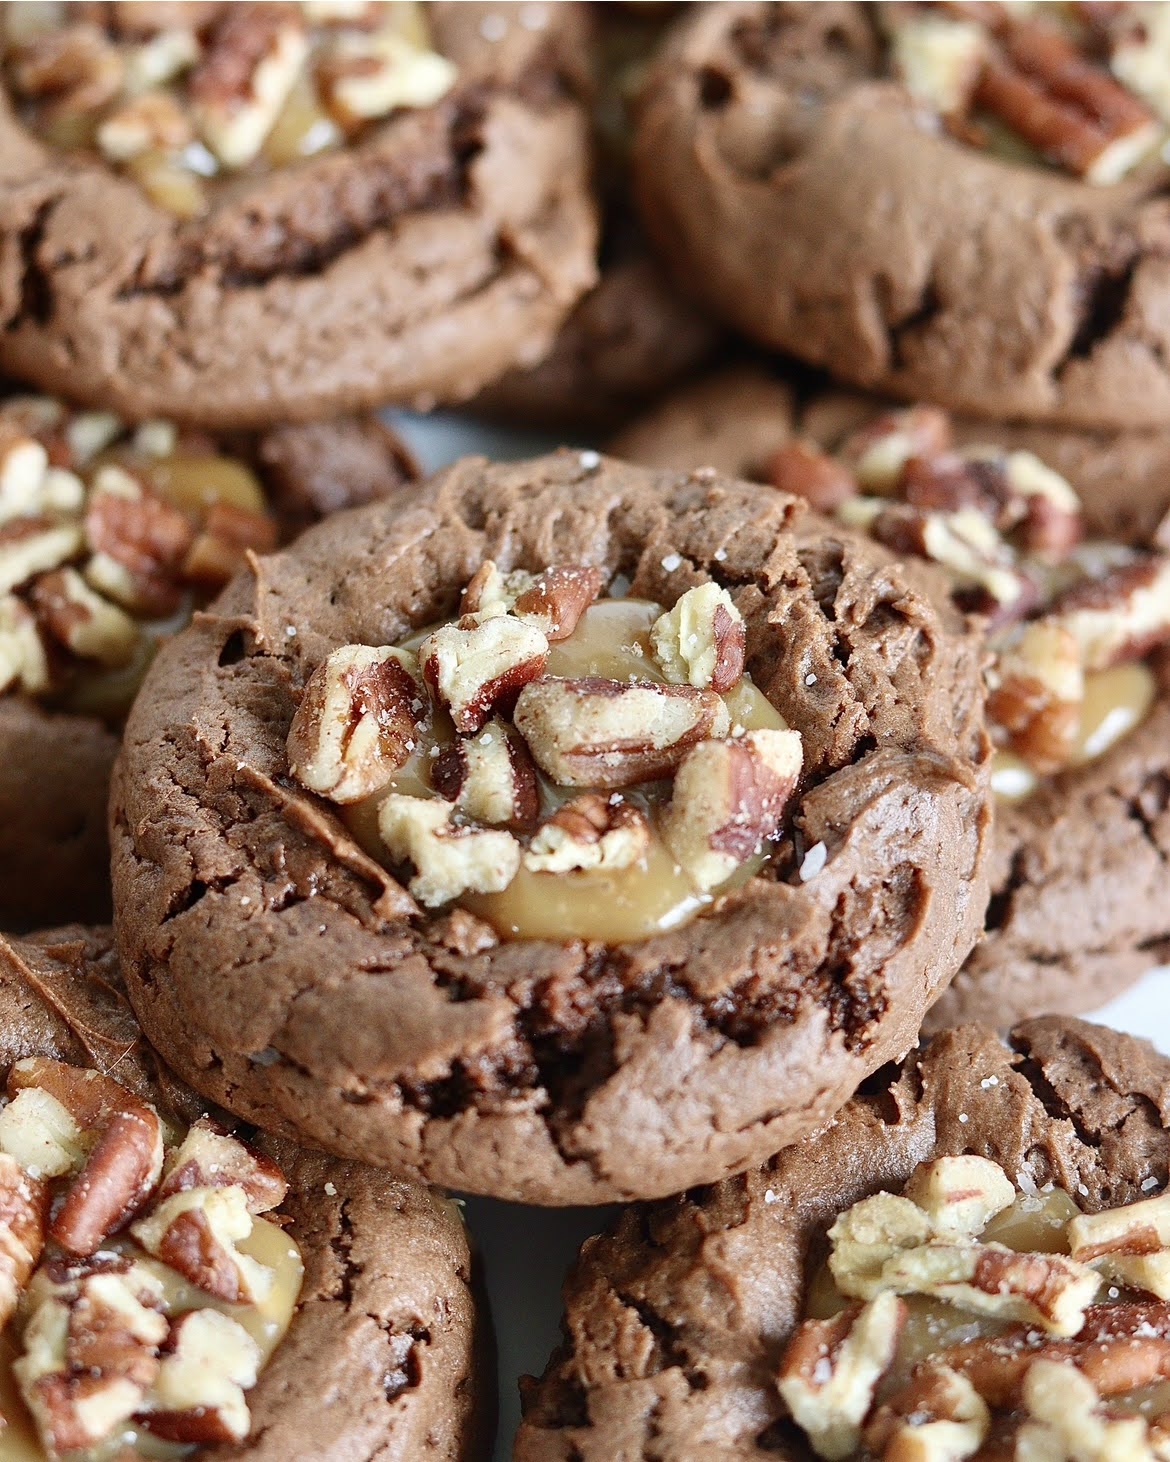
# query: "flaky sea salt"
[[770, 1197], [721, 555], [331, 1189], [814, 860], [590, 461], [671, 562], [1149, 1183], [963, 1117], [810, 679], [493, 27]]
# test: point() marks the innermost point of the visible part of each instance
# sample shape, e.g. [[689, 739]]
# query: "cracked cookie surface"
[[415, 265], [386, 1316], [795, 188], [1079, 884], [293, 978], [678, 1316]]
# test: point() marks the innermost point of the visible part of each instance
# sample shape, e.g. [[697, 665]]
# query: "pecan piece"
[[1037, 693], [209, 1158], [475, 669], [701, 641], [1130, 1245], [878, 452], [23, 465], [552, 602], [1066, 1420], [490, 777], [252, 59], [221, 548], [82, 621], [593, 732], [831, 1368], [24, 1202], [152, 122], [367, 76], [196, 1232], [70, 72], [22, 654], [729, 798], [804, 470], [357, 723], [1120, 617], [939, 60], [592, 832], [960, 1195], [449, 860], [938, 1417], [31, 546], [138, 542], [210, 1362]]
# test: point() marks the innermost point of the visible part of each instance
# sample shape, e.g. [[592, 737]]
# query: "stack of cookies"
[[729, 828]]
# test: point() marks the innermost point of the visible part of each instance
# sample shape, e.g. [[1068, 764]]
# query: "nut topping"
[[609, 734], [31, 546], [211, 1361], [139, 543], [879, 451], [960, 1195], [481, 668], [490, 777], [368, 76], [357, 722], [1121, 616], [729, 798], [831, 1368], [805, 471], [1130, 1246], [23, 1205], [700, 641], [449, 860], [591, 831], [82, 621], [552, 602], [1066, 1421], [196, 1232], [1037, 691], [938, 1417], [22, 655]]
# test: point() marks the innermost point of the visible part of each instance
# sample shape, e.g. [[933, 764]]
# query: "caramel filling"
[[611, 640]]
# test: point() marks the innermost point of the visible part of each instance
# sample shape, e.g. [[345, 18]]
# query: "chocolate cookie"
[[633, 989], [714, 1315], [863, 187], [108, 539], [240, 214], [379, 1354], [1079, 892]]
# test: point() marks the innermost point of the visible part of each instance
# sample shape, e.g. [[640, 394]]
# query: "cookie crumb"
[[671, 562], [814, 860]]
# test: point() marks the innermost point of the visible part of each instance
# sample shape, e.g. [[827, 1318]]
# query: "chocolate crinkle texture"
[[288, 975], [413, 266], [55, 766], [676, 1318], [1080, 876], [793, 187], [383, 1355]]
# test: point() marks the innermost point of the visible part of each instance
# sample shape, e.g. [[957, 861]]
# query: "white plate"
[[526, 1251]]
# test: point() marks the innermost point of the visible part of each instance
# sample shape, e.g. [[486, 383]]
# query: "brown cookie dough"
[[413, 265], [381, 1357], [55, 751], [677, 1317], [1079, 883], [553, 1072], [794, 189]]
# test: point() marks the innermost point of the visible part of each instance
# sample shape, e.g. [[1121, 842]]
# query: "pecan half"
[[729, 798], [490, 777], [449, 860], [831, 1368], [593, 732], [590, 831], [701, 641], [475, 669], [357, 723]]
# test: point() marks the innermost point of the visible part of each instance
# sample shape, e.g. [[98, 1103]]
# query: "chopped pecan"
[[199, 1394], [965, 543], [960, 1195], [41, 1134], [1066, 1420], [449, 860], [490, 777], [701, 641], [869, 1235], [196, 1232], [31, 546], [24, 1201], [1052, 521], [831, 1368], [23, 464], [22, 655], [209, 1158], [221, 547], [804, 470], [729, 798], [590, 831], [138, 543], [475, 669], [70, 71], [1120, 617], [367, 76], [1037, 694], [357, 723], [1129, 1245], [938, 1416], [552, 602], [1072, 112], [82, 621], [938, 60], [162, 53], [152, 122], [252, 59], [878, 452], [593, 732], [112, 1332]]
